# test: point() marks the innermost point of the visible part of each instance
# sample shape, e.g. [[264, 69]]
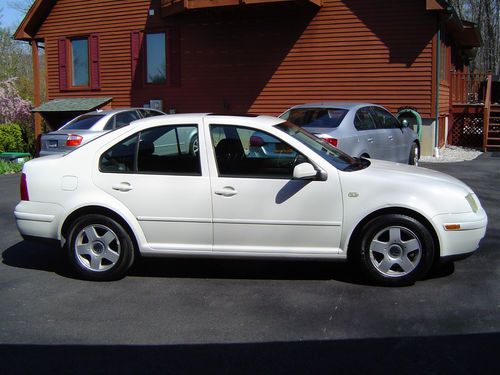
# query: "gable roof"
[[465, 34], [37, 13]]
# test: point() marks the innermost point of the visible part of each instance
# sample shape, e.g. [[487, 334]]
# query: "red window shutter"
[[63, 65], [135, 43], [95, 80], [174, 54]]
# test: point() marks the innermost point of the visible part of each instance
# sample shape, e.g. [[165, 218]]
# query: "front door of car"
[[166, 187], [258, 209]]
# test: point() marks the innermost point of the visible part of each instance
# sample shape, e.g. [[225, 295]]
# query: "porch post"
[[36, 86]]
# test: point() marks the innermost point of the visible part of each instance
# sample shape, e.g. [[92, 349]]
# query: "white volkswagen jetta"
[[254, 187]]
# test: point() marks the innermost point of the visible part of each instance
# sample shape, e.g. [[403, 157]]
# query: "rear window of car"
[[83, 122], [316, 117]]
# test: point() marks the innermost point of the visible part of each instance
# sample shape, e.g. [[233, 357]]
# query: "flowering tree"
[[13, 108]]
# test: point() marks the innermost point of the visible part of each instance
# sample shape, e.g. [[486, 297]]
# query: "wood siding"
[[259, 58]]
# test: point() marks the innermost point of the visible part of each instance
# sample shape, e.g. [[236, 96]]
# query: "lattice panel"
[[467, 130]]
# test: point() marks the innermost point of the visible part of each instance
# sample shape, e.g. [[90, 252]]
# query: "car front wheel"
[[395, 250], [99, 248]]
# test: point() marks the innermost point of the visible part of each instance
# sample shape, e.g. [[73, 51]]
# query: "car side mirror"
[[405, 123], [304, 171]]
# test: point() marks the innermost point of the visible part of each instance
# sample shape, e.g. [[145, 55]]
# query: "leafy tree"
[[486, 14], [16, 110], [15, 61]]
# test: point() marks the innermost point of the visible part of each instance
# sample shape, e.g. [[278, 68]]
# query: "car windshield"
[[334, 156], [315, 117], [83, 122]]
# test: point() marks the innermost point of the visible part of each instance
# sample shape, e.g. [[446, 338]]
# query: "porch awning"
[[73, 104]]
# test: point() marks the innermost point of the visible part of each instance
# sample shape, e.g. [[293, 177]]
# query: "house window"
[[79, 63], [156, 58], [79, 52]]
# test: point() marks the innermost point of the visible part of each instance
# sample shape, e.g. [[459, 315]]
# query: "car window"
[[149, 112], [245, 152], [121, 157], [83, 122], [364, 120], [316, 117], [161, 150], [332, 155], [125, 118], [384, 119]]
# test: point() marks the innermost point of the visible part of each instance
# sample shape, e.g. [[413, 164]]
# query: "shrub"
[[11, 138], [8, 167]]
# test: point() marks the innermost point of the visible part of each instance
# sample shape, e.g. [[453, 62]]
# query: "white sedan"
[[141, 190]]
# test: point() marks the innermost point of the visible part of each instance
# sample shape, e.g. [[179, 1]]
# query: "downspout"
[[450, 12], [438, 78]]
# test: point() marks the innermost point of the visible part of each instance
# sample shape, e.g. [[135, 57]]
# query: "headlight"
[[473, 202]]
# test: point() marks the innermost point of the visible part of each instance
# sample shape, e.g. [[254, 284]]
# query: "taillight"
[[74, 140], [24, 188], [332, 141]]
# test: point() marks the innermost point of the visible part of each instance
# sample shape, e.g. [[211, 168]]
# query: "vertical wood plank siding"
[[259, 58]]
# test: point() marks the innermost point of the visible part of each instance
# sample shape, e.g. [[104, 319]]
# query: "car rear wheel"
[[395, 250], [99, 248], [414, 154]]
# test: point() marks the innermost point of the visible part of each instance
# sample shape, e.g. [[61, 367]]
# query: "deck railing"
[[468, 88]]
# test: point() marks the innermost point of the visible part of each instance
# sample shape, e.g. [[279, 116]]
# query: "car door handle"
[[390, 137], [370, 139], [122, 186], [226, 191]]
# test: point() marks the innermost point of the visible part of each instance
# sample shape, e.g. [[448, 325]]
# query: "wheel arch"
[[102, 211], [394, 210]]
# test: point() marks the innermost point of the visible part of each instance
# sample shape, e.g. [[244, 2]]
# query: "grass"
[[9, 167]]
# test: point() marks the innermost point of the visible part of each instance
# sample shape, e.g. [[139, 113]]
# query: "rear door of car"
[[372, 139], [395, 148], [166, 187]]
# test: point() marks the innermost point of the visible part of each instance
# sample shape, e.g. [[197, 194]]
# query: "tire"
[[99, 248], [414, 154], [394, 250], [194, 147]]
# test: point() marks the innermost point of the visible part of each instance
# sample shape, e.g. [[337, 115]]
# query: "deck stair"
[[493, 130]]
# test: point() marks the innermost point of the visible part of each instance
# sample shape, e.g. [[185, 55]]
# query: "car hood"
[[418, 175], [388, 184]]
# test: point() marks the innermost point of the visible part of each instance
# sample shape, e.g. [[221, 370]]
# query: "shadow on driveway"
[[47, 258], [460, 354]]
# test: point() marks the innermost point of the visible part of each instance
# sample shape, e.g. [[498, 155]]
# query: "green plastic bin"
[[14, 157]]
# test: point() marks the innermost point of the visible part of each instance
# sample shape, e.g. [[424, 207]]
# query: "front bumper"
[[459, 242]]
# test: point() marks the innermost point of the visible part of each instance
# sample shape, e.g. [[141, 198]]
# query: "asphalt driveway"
[[220, 316]]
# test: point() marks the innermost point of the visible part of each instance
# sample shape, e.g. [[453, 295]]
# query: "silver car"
[[88, 126], [359, 129]]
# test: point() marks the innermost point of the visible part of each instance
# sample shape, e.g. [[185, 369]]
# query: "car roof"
[[341, 105], [257, 120], [116, 110]]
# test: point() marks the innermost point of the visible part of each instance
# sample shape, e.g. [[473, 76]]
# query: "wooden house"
[[258, 56]]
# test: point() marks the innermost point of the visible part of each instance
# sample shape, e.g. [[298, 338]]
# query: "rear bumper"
[[39, 220]]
